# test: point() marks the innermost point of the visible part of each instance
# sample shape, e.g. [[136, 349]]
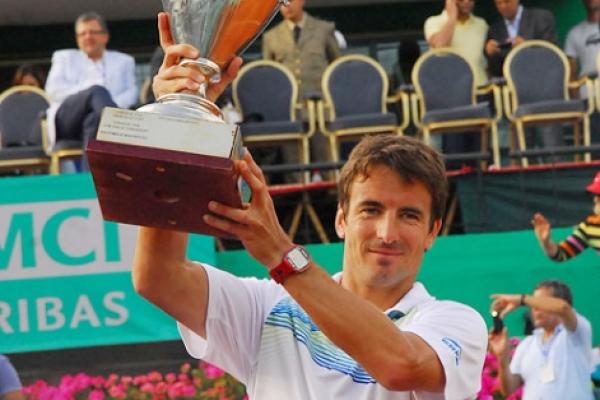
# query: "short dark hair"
[[29, 69], [409, 158], [92, 16], [559, 290]]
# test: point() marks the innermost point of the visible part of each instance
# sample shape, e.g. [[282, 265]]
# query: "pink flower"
[[147, 387], [170, 378], [117, 391], [211, 371], [96, 394], [185, 368], [155, 376]]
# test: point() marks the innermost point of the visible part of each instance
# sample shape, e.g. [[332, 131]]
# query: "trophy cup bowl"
[[220, 30], [160, 166]]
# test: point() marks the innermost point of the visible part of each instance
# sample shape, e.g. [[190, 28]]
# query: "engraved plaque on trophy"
[[159, 166]]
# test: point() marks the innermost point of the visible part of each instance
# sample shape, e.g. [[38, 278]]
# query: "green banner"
[[65, 277]]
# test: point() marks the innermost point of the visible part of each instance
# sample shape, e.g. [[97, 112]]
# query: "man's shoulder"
[[117, 55], [478, 20], [538, 13], [66, 53], [274, 30], [580, 29], [317, 23]]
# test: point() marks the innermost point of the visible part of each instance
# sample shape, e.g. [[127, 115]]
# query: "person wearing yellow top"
[[457, 28]]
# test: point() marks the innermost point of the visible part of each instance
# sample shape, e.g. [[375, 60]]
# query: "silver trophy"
[[220, 30], [160, 167]]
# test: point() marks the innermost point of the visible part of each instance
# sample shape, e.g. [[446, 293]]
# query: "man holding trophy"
[[371, 332]]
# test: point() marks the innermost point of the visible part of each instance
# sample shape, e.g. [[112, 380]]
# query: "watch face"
[[298, 258]]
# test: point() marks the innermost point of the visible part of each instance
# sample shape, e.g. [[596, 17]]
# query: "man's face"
[[293, 11], [592, 5], [543, 319], [386, 229], [91, 38], [465, 7], [508, 8]]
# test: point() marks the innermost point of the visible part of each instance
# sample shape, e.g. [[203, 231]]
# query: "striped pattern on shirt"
[[586, 234]]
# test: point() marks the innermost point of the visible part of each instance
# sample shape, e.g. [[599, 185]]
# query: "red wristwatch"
[[294, 261]]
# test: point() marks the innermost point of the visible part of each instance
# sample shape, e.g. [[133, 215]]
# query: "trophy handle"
[[209, 69]]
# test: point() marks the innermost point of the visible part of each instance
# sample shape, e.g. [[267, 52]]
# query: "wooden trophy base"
[[160, 188]]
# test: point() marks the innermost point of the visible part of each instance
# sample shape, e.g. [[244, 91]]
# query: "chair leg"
[[512, 142], [495, 145], [587, 157], [426, 136], [450, 214], [577, 139], [483, 164], [522, 146], [295, 221], [314, 217], [54, 165], [305, 157]]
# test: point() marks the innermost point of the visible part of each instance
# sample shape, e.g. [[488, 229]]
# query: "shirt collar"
[[291, 24], [416, 295], [517, 19], [466, 21]]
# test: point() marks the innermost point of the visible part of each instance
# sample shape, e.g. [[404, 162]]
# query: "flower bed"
[[203, 382]]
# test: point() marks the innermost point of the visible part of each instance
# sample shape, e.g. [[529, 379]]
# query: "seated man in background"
[[306, 46], [10, 384], [582, 47], [82, 82], [554, 362], [458, 29], [585, 234], [517, 24]]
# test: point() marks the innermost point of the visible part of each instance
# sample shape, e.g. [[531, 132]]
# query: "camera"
[[498, 323]]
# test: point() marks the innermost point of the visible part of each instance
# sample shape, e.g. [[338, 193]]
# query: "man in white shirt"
[[371, 332], [555, 361], [82, 82]]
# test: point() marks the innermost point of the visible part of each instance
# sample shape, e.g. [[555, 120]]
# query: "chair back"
[[265, 91], [355, 84], [20, 109], [443, 79], [537, 71]]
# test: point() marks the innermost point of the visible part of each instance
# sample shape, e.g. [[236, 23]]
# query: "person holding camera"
[[516, 25], [555, 361]]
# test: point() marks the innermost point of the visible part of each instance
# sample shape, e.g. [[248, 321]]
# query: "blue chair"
[[21, 140], [266, 95], [445, 100], [355, 99]]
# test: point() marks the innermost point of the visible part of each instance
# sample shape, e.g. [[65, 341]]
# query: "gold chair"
[[445, 100], [21, 139], [355, 101], [265, 94], [537, 92]]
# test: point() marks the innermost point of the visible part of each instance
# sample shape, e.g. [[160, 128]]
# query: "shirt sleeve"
[[430, 28], [516, 361], [129, 95], [571, 44], [9, 380], [237, 308], [458, 335], [582, 335]]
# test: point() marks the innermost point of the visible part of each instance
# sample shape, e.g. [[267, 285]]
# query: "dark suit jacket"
[[535, 24]]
